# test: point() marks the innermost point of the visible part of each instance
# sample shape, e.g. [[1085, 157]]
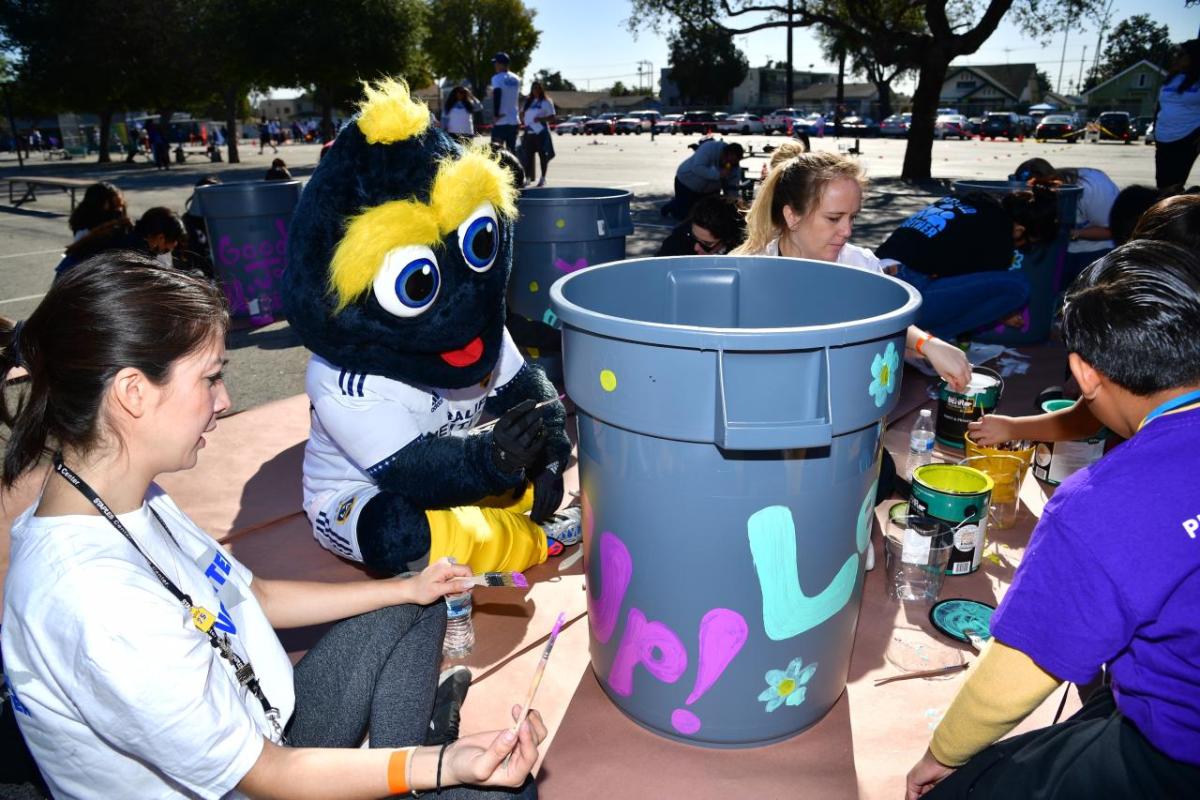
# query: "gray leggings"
[[377, 674]]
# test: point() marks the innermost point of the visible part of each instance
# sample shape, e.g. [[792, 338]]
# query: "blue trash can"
[[1042, 265], [560, 231], [730, 413], [248, 232]]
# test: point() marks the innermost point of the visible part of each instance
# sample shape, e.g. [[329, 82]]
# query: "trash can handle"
[[615, 220], [811, 428]]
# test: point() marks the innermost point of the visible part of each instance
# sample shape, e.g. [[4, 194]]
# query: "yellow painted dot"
[[560, 223], [608, 380], [533, 286], [786, 687], [885, 375]]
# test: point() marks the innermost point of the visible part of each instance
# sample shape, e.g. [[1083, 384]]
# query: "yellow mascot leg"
[[493, 536]]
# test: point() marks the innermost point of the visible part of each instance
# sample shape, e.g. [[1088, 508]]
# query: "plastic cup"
[[917, 549], [1006, 473]]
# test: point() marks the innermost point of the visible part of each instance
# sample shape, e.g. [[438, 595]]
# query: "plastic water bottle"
[[920, 443], [460, 630]]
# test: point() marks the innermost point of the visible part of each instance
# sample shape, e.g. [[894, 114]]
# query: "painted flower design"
[[884, 371], [787, 686]]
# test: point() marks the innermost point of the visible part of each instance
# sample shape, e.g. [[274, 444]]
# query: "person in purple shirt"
[[1110, 585]]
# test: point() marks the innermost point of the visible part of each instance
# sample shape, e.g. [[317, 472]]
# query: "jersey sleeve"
[[148, 681]]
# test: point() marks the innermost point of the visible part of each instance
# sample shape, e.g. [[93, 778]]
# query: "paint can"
[[958, 497], [1054, 462], [957, 410]]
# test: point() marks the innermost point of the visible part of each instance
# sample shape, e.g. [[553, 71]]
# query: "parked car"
[[1028, 124], [781, 119], [668, 123], [606, 123], [999, 124], [952, 126], [573, 125], [1141, 125], [1116, 126], [896, 125], [741, 123], [975, 125], [1149, 137], [1057, 126], [637, 122], [698, 122], [859, 126]]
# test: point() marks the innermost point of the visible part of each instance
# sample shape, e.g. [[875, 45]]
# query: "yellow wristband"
[[399, 768]]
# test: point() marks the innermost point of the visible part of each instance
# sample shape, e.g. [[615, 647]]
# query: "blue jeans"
[[959, 304], [507, 136]]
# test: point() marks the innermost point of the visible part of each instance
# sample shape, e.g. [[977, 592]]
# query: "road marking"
[[34, 253], [26, 297]]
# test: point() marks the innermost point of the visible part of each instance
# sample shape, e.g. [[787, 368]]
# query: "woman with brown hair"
[[537, 114]]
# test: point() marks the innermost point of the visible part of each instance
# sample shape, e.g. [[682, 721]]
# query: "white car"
[[668, 123], [637, 122], [571, 125], [952, 126], [782, 118], [742, 123]]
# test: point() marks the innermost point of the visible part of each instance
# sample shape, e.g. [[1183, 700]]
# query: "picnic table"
[[34, 182]]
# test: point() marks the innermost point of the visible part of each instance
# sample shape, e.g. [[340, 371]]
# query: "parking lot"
[[268, 363]]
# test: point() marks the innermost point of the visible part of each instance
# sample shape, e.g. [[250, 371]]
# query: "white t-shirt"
[[459, 119], [510, 87], [1179, 112], [119, 694], [851, 256], [360, 421], [538, 108], [1094, 207]]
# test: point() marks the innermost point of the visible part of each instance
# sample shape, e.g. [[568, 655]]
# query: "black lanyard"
[[202, 618]]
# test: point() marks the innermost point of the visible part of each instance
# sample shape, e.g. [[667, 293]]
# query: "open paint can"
[[1054, 462], [957, 410], [960, 498]]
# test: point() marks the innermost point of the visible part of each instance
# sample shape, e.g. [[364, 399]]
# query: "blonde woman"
[[806, 209]]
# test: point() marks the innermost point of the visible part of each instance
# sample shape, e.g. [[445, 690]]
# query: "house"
[[977, 89], [1134, 90], [763, 89]]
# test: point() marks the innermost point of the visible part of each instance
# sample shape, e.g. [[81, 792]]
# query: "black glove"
[[518, 438], [547, 492]]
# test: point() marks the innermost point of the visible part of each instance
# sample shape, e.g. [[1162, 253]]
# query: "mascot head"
[[400, 249]]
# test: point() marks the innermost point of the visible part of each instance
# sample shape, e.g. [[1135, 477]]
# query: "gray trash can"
[[248, 232], [730, 412], [558, 232], [1042, 264]]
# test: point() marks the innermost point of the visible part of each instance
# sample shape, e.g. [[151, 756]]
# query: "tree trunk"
[[841, 95], [105, 135], [327, 131], [918, 156], [232, 126], [790, 86], [885, 98]]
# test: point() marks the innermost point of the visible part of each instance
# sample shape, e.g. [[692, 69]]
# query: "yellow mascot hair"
[[390, 114]]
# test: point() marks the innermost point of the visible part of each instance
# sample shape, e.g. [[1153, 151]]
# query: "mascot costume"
[[398, 258]]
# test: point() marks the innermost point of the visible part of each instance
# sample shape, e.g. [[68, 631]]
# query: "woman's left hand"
[[950, 362], [925, 774], [436, 581]]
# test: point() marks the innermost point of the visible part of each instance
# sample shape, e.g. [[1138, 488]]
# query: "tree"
[[332, 47], [619, 89], [465, 34], [1043, 82], [879, 60], [554, 81], [1131, 41], [705, 64], [950, 30]]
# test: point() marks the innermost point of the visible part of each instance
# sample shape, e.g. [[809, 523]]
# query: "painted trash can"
[[1042, 265], [730, 411], [248, 231]]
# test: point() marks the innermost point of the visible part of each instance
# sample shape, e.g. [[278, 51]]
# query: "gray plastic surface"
[[729, 437], [247, 231], [1042, 265], [560, 231]]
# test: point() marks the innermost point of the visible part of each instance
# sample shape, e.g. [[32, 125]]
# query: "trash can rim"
[[547, 198], [714, 338]]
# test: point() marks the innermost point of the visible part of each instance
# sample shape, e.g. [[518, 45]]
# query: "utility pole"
[[790, 82], [1062, 60], [1082, 59]]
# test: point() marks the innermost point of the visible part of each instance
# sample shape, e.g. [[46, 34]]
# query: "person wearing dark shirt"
[[963, 255], [716, 226]]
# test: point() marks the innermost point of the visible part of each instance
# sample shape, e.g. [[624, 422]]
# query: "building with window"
[[1134, 90], [977, 89]]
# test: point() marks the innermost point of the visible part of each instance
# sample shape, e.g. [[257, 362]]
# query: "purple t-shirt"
[[1112, 576]]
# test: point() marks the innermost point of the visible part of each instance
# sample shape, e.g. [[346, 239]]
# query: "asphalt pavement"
[[268, 363]]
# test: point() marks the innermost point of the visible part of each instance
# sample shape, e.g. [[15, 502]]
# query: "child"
[[1111, 580]]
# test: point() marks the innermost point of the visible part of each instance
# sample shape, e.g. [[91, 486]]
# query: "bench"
[[33, 183]]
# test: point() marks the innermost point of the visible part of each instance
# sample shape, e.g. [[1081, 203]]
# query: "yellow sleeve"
[[1005, 687]]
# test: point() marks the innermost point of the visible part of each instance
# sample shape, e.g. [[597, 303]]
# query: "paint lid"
[[955, 616], [981, 383]]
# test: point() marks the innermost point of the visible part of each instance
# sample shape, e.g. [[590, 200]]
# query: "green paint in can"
[[957, 410], [959, 497]]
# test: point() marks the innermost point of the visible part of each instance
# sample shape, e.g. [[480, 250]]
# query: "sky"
[[589, 43]]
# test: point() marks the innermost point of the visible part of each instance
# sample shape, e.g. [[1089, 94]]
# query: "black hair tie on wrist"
[[441, 755], [14, 343]]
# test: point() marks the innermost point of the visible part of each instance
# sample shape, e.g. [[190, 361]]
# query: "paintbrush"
[[927, 673], [537, 673], [492, 423], [515, 579]]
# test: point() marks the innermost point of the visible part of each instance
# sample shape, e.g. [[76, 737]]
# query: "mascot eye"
[[479, 238], [409, 281]]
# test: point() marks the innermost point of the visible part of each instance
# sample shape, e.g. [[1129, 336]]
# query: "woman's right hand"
[[991, 430], [949, 361], [497, 758]]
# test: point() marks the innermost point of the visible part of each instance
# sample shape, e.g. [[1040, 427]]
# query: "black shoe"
[[447, 705]]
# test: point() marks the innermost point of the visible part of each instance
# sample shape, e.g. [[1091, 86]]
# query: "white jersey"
[[851, 255], [510, 92], [117, 693], [360, 421]]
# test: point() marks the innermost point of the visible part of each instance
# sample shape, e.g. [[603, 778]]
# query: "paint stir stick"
[[926, 673]]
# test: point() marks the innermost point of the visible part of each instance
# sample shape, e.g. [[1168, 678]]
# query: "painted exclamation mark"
[[722, 634]]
